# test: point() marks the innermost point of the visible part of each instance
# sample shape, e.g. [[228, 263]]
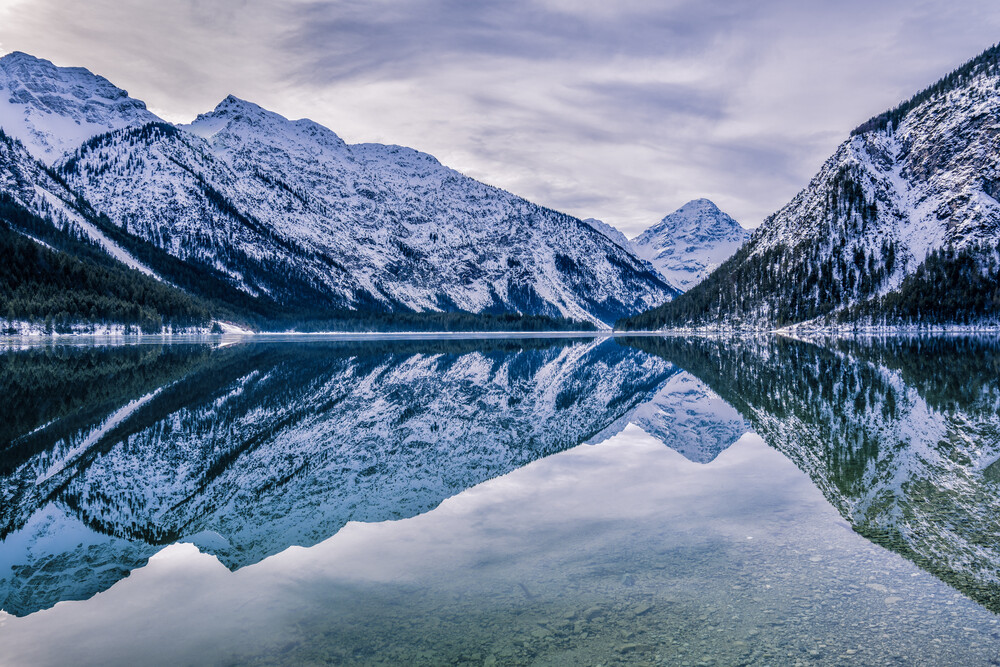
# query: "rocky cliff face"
[[53, 110]]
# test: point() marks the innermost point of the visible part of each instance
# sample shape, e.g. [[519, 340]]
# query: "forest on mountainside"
[[949, 287], [987, 62], [72, 281], [784, 284]]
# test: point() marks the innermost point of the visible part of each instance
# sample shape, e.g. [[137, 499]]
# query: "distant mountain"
[[684, 246], [289, 214], [901, 224], [612, 233], [690, 243]]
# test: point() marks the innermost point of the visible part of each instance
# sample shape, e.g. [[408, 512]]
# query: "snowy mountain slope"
[[27, 183], [366, 226], [897, 200], [266, 446], [902, 193], [612, 233], [53, 110], [288, 211], [690, 243], [164, 186]]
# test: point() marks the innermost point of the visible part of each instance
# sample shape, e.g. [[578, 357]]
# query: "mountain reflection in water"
[[250, 449], [109, 453]]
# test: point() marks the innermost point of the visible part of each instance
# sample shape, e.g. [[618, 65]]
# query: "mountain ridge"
[[684, 246], [54, 109], [288, 212], [899, 226]]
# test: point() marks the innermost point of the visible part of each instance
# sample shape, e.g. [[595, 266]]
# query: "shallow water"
[[448, 512]]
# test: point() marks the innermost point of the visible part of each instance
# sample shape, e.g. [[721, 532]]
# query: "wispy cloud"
[[621, 110]]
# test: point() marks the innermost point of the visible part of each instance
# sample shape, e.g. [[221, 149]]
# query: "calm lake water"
[[547, 501]]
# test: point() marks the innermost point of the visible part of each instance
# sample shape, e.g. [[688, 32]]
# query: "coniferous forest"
[[72, 281], [69, 280], [949, 287]]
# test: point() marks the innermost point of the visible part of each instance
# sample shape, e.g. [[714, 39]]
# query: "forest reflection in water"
[[114, 452]]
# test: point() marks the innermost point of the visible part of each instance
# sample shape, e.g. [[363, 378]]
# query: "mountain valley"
[[900, 227]]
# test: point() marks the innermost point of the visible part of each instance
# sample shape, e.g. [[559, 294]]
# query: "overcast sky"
[[621, 110]]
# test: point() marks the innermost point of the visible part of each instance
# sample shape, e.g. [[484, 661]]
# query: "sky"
[[620, 110]]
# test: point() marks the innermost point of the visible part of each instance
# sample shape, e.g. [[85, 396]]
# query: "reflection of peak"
[[691, 419]]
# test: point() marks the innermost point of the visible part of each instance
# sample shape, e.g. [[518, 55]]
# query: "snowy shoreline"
[[800, 330], [280, 336], [231, 334]]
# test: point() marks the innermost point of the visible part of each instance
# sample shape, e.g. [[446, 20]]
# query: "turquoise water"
[[503, 502]]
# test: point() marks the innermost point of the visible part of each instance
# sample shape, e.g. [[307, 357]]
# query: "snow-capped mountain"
[[289, 212], [26, 183], [690, 243], [256, 448], [612, 233], [901, 224], [53, 110]]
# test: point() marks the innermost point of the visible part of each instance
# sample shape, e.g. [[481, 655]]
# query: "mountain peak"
[[688, 244], [21, 56], [230, 109], [700, 216], [913, 188], [235, 104], [234, 116], [53, 110], [701, 204], [611, 232]]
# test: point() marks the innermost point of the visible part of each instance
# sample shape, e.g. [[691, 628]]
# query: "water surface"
[[503, 501]]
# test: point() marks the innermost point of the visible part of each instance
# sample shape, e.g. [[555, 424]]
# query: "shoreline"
[[797, 330], [234, 337]]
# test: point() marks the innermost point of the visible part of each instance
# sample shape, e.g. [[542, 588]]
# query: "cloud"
[[621, 111]]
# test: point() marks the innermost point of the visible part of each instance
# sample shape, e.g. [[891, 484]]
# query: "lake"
[[501, 501]]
